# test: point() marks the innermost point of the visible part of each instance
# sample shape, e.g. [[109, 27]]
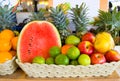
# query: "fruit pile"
[[8, 45], [88, 49]]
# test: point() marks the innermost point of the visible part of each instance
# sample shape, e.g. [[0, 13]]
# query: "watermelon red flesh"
[[36, 39]]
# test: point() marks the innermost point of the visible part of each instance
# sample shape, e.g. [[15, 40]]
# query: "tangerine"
[[5, 56], [5, 45], [65, 48], [6, 34], [13, 52], [14, 42]]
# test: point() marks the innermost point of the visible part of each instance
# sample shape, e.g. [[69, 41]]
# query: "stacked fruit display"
[[40, 53], [8, 45], [90, 50], [51, 50], [45, 46]]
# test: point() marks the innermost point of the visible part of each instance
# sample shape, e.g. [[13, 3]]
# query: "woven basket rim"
[[8, 61], [68, 65]]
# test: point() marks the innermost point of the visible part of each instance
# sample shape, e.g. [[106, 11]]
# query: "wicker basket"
[[8, 67], [44, 70]]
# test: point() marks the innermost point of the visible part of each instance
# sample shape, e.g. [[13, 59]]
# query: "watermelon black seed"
[[29, 52]]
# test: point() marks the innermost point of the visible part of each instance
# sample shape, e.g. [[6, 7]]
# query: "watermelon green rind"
[[54, 39]]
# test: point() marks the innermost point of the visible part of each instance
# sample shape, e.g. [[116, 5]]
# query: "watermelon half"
[[35, 39]]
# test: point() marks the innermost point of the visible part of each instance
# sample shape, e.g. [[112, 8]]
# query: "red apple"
[[97, 58], [88, 37], [112, 55], [86, 47]]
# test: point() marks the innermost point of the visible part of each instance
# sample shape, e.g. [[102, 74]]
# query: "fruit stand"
[[46, 48]]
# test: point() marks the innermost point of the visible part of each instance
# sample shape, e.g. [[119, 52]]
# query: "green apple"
[[84, 59]]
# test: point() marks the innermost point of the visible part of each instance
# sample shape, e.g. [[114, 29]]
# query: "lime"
[[50, 60], [74, 62], [72, 39], [38, 60], [73, 53], [54, 51], [84, 60], [62, 60]]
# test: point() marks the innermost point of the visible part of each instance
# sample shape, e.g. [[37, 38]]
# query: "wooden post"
[[50, 3], [104, 5], [35, 5]]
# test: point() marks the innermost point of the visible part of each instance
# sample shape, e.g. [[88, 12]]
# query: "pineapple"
[[60, 20], [80, 19], [40, 15], [109, 22], [7, 17]]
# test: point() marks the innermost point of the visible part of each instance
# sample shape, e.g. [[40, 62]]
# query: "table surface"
[[19, 75]]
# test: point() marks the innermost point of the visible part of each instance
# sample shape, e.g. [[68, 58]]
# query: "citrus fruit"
[[38, 60], [65, 48], [74, 62], [73, 53], [84, 60], [13, 52], [14, 42], [5, 45], [5, 56], [62, 60], [104, 42], [72, 39], [54, 51], [6, 34], [50, 60]]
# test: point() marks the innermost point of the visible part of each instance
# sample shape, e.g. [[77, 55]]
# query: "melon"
[[35, 39]]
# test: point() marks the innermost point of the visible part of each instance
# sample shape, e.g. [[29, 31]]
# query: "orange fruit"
[[6, 34], [5, 45], [14, 42], [65, 48], [5, 56], [13, 52]]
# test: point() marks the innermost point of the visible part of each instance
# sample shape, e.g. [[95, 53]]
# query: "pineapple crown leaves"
[[80, 18], [7, 17], [40, 15], [59, 19], [108, 21], [61, 22]]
